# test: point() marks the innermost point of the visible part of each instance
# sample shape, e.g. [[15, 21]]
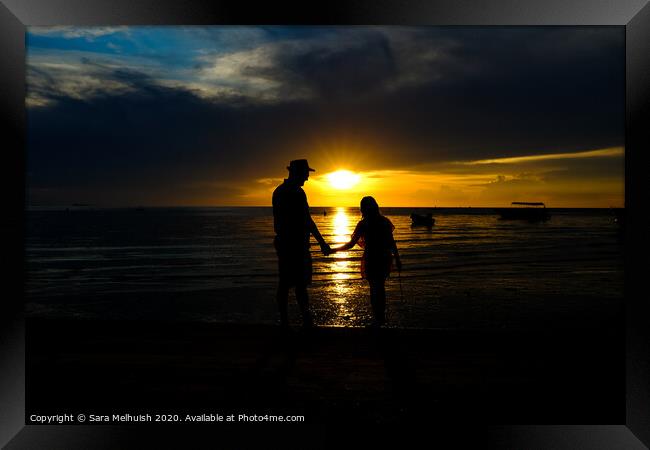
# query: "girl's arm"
[[347, 246], [353, 241]]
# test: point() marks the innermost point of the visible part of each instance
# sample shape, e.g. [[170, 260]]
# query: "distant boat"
[[531, 211], [425, 220], [619, 216]]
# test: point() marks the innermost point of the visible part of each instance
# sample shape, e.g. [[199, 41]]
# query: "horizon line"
[[310, 206]]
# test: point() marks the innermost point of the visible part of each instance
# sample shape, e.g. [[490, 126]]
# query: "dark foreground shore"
[[329, 375]]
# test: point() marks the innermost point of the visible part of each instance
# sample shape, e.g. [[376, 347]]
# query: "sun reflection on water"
[[341, 226], [341, 231], [342, 286]]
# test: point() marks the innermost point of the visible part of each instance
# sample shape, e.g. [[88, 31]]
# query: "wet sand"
[[329, 375]]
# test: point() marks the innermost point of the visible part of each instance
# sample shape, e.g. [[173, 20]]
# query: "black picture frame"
[[16, 15]]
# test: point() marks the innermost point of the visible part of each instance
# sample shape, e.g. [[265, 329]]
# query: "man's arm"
[[324, 246], [313, 229]]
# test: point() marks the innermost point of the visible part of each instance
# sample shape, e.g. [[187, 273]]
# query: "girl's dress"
[[375, 236]]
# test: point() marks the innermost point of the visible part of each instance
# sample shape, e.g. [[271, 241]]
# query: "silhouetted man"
[[293, 226]]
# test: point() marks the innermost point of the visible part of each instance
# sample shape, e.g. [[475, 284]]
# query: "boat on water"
[[619, 219], [530, 211], [619, 215], [422, 220]]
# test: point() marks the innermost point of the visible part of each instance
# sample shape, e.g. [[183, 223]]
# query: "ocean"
[[470, 270]]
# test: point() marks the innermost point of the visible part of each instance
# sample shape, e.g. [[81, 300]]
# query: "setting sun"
[[343, 179]]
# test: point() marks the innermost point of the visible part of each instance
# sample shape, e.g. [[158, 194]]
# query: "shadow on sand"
[[327, 375]]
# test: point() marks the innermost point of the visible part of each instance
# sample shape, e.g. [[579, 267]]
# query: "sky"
[[419, 116]]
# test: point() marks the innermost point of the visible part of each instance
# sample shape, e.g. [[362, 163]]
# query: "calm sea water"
[[218, 264]]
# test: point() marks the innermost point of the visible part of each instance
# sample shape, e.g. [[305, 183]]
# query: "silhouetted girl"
[[374, 233]]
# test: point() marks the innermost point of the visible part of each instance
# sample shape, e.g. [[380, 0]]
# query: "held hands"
[[326, 249]]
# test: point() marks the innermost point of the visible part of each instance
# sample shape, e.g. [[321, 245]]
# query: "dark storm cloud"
[[421, 96], [502, 93], [157, 138], [345, 74], [464, 93]]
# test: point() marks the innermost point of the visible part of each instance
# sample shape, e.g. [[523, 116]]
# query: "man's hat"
[[299, 165]]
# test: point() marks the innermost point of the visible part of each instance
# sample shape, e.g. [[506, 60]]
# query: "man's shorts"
[[294, 264]]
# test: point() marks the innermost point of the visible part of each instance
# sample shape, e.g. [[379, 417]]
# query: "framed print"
[[221, 217]]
